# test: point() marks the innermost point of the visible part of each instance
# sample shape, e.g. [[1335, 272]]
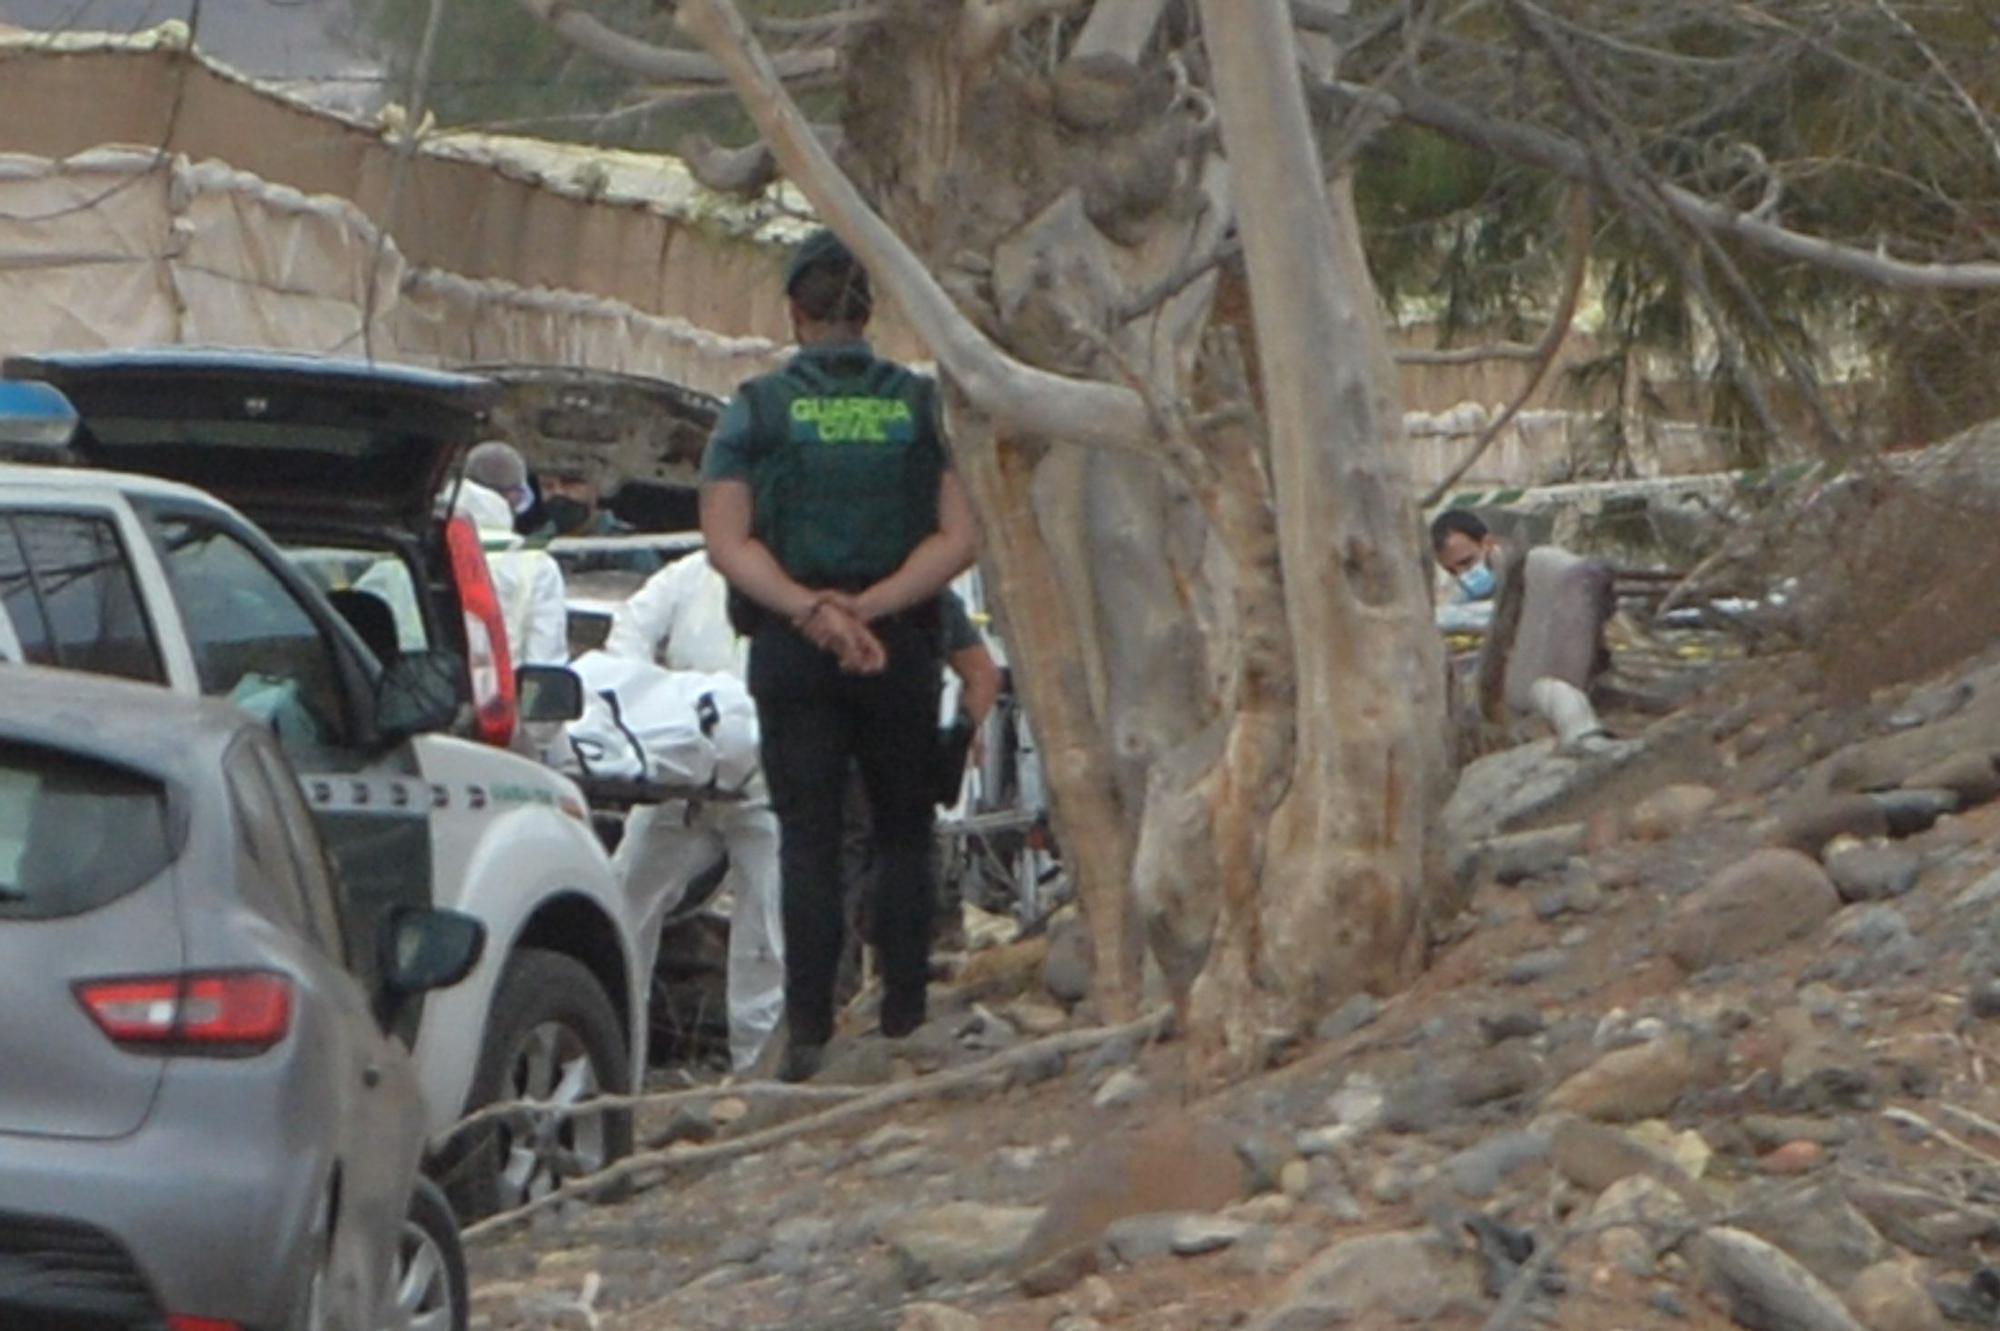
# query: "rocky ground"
[[1709, 1048]]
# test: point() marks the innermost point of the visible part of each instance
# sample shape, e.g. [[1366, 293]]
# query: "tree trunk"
[[1238, 692], [1346, 878]]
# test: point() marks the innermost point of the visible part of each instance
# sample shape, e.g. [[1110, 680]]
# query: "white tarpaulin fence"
[[122, 247]]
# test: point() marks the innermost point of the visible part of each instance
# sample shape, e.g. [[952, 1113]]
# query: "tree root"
[[649, 1168]]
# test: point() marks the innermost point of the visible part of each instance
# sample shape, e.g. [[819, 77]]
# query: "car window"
[[374, 590], [254, 642], [67, 587], [75, 834], [315, 872]]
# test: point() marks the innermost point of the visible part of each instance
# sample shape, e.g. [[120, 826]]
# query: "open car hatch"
[[289, 439]]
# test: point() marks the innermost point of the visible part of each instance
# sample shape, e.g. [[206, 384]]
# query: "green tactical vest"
[[846, 467]]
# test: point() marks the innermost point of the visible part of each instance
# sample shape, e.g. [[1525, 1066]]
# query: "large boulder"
[[1376, 1279], [1761, 901]]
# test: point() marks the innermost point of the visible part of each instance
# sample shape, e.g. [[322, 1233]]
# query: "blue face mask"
[[1477, 582]]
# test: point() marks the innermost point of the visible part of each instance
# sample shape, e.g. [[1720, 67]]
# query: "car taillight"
[[202, 1324], [486, 653], [233, 1012]]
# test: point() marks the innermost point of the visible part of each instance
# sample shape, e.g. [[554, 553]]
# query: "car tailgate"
[[290, 440]]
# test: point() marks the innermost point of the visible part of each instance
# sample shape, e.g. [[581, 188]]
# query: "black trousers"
[[815, 721]]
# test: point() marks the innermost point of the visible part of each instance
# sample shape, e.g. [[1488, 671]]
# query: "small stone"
[[1922, 1219], [1630, 1084], [1889, 1296], [1628, 1249], [1479, 1171], [741, 1248], [1020, 1159], [1873, 873], [1689, 1151], [1799, 1157], [1651, 1214], [1033, 1066], [1821, 1075], [890, 1137], [1768, 1132], [1754, 905], [898, 1163], [1970, 776], [1121, 1089], [1764, 1289], [1323, 1141], [1522, 855], [1097, 1296], [1815, 1224], [1981, 894], [1593, 1156], [1391, 1184], [1807, 827], [1534, 967], [1670, 811], [1983, 1001], [936, 1317], [1197, 1235], [730, 1109], [1037, 1019], [1273, 1208], [802, 1231], [1511, 1024], [1911, 811], [959, 1241], [1358, 1103], [1295, 1179], [1141, 1238], [1669, 1302], [1357, 1012]]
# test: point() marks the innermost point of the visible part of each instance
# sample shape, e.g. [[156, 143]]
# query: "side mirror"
[[548, 693], [424, 949], [419, 692]]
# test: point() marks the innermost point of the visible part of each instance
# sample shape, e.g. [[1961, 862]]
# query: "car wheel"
[[553, 1037], [430, 1292]]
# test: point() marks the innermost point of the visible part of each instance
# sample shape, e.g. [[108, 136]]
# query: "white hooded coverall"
[[529, 583], [680, 620]]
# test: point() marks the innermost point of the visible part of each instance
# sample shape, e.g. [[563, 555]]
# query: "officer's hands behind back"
[[833, 627]]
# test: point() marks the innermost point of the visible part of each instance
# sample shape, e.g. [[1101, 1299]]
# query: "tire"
[[431, 1292], [548, 1013]]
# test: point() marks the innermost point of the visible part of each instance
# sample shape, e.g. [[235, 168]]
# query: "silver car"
[[203, 1125]]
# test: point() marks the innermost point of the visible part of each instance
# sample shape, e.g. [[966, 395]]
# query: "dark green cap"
[[822, 247]]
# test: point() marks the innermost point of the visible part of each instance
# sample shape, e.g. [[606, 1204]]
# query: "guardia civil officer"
[[830, 506]]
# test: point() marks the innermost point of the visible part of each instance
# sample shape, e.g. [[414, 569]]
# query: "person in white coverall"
[[679, 620], [528, 583]]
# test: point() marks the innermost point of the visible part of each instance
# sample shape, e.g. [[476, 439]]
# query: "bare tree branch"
[[820, 25], [661, 63], [1545, 350], [988, 23], [1119, 27], [1552, 152], [1029, 400], [1980, 119], [1468, 355], [744, 172]]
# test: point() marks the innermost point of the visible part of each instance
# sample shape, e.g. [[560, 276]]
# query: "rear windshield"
[[74, 834]]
